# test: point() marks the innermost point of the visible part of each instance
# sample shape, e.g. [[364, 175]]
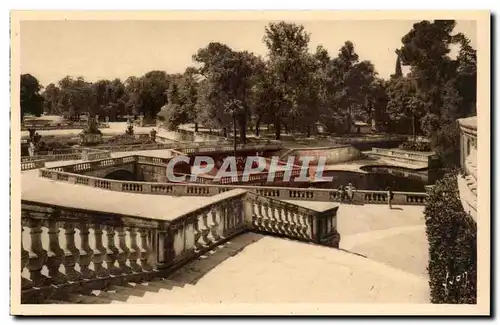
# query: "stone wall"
[[333, 155]]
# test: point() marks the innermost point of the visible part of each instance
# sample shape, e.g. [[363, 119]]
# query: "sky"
[[51, 50]]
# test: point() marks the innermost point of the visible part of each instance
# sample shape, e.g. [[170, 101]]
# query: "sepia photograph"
[[179, 163]]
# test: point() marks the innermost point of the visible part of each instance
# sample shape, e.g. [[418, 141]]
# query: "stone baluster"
[[85, 252], [231, 214], [214, 229], [267, 218], [25, 283], [286, 221], [238, 210], [197, 232], [71, 253], [37, 256], [111, 252], [279, 220], [134, 251], [98, 254], [55, 255], [123, 251], [145, 251], [259, 216], [206, 228], [305, 226], [295, 226], [273, 222]]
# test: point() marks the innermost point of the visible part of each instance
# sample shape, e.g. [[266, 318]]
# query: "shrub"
[[451, 233], [123, 139], [415, 146]]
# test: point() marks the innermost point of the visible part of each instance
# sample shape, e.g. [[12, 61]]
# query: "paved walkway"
[[115, 128]]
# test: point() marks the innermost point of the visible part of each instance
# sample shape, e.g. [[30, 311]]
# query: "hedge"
[[451, 234]]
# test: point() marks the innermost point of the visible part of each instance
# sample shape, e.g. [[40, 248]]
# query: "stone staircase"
[[178, 287]]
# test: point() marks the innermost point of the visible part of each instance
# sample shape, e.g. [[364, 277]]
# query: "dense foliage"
[[30, 99], [416, 146], [293, 89], [451, 233]]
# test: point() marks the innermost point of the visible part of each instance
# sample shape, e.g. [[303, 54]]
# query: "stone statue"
[[152, 135]]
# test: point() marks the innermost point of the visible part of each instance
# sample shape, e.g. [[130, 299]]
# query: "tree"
[[348, 90], [398, 72], [174, 112], [229, 74], [75, 97], [51, 97], [405, 108], [30, 99], [188, 90], [445, 86], [288, 55], [147, 94]]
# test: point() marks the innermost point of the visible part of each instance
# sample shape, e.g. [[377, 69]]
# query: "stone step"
[[87, 299], [128, 289], [112, 295], [57, 302]]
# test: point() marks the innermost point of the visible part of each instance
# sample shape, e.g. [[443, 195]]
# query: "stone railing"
[[95, 154], [76, 155], [32, 164], [100, 250], [201, 229], [68, 174], [87, 258], [292, 221], [62, 126], [228, 148]]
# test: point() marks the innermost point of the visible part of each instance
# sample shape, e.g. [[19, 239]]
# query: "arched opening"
[[121, 175]]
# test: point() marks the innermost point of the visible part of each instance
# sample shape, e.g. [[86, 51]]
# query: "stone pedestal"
[[90, 138]]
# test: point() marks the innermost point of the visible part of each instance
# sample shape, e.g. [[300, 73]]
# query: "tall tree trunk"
[[277, 126], [195, 127], [257, 127], [243, 130], [308, 131]]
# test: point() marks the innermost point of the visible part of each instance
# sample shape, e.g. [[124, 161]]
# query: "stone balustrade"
[[94, 154], [292, 221], [68, 174], [96, 249], [67, 251], [62, 126], [32, 164], [199, 230]]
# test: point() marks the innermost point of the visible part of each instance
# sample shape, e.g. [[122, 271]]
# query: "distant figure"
[[342, 193], [350, 192], [31, 148], [389, 197]]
